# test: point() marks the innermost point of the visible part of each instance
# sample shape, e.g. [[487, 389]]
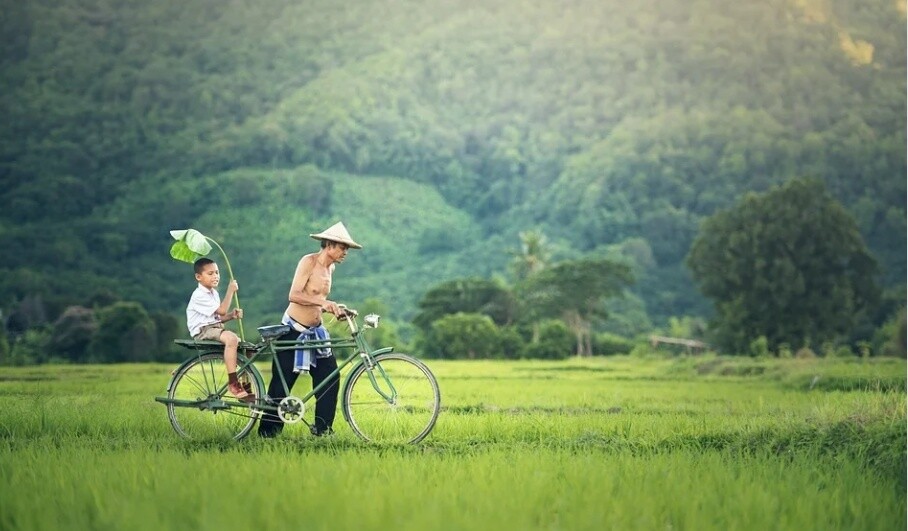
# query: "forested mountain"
[[437, 130]]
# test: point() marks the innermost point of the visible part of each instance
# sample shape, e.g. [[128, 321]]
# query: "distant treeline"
[[438, 130]]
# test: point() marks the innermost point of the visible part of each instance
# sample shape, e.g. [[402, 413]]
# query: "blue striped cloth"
[[303, 359]]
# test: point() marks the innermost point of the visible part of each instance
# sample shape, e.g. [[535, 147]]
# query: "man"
[[308, 300]]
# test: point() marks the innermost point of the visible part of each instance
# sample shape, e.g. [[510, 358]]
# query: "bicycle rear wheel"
[[399, 403], [212, 415]]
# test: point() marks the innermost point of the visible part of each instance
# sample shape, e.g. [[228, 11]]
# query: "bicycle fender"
[[173, 373], [348, 379], [240, 358]]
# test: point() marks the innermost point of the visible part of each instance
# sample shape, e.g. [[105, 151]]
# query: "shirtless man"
[[308, 300]]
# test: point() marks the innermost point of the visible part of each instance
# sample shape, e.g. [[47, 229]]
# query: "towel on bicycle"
[[303, 359]]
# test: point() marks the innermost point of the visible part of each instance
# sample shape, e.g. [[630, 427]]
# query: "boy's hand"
[[233, 287], [238, 313]]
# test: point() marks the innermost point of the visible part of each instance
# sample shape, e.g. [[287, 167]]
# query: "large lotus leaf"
[[190, 245]]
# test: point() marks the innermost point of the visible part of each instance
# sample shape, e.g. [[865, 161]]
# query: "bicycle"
[[387, 397]]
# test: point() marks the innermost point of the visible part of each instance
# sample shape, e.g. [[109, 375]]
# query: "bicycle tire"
[[409, 417], [199, 380]]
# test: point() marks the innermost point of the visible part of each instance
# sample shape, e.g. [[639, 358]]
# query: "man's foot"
[[325, 432]]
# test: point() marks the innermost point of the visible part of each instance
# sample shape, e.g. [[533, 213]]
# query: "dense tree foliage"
[[463, 335], [472, 295], [437, 130], [73, 331], [472, 318], [788, 265], [575, 291], [556, 341], [4, 346]]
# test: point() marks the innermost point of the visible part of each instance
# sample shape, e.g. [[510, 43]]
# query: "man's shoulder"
[[309, 260]]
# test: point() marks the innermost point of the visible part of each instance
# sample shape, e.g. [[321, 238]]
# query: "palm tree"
[[533, 256]]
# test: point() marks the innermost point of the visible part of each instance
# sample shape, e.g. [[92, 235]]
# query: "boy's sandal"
[[247, 398], [243, 396]]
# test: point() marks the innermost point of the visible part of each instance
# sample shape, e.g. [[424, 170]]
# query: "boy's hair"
[[200, 264]]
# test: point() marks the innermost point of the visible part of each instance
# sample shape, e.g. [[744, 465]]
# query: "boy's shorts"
[[210, 332]]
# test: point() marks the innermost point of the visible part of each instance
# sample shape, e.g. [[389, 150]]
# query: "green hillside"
[[437, 130]]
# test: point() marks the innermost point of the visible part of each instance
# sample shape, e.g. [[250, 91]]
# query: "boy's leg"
[[270, 424], [326, 400], [230, 341]]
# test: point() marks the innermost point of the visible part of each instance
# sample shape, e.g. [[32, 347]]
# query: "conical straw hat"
[[337, 233]]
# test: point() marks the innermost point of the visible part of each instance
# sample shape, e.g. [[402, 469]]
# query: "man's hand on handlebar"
[[339, 310], [332, 307]]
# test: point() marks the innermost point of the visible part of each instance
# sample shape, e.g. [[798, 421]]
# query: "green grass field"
[[605, 443]]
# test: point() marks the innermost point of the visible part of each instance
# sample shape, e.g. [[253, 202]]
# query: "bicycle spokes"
[[199, 407], [395, 402]]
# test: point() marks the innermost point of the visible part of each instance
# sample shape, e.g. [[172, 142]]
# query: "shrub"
[[125, 333], [843, 351], [4, 344], [606, 344], [556, 342], [759, 348], [463, 335], [72, 332], [890, 338], [167, 328], [784, 351], [512, 343], [686, 326], [30, 348], [646, 350]]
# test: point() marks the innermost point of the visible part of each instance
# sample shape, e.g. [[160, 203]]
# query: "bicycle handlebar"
[[347, 311]]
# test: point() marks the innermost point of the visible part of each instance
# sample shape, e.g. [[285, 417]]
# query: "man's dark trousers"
[[326, 401]]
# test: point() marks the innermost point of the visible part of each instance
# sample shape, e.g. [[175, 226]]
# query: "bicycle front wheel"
[[395, 401], [212, 412]]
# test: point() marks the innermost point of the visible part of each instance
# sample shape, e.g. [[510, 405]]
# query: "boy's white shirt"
[[202, 309]]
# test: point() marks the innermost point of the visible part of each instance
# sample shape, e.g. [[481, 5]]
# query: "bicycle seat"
[[273, 331]]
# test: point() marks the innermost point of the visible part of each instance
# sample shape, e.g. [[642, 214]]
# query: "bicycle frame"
[[357, 342], [360, 349]]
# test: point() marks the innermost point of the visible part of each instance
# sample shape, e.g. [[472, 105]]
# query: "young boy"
[[206, 315]]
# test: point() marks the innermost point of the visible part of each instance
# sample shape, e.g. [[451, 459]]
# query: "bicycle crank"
[[291, 409]]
